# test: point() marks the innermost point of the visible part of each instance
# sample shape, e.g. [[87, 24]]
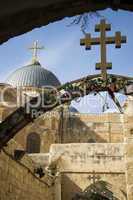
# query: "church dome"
[[73, 109], [32, 75]]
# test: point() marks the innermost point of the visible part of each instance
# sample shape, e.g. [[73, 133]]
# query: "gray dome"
[[73, 109], [32, 75]]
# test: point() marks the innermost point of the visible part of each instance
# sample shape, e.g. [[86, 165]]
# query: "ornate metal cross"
[[103, 40], [35, 48], [94, 177]]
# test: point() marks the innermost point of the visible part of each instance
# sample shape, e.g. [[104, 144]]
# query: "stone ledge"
[[83, 157]]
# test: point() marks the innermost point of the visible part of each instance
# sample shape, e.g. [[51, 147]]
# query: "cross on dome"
[[35, 48]]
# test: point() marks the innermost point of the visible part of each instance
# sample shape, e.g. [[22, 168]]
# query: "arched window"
[[33, 143]]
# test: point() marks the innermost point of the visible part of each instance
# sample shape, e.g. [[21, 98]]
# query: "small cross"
[[35, 48], [94, 177], [103, 40]]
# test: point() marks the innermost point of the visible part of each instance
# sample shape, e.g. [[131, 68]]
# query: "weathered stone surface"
[[16, 180], [74, 183], [129, 107], [128, 134], [41, 159], [129, 150], [90, 150], [88, 157]]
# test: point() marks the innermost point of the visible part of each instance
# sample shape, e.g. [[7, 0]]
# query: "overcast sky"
[[64, 56]]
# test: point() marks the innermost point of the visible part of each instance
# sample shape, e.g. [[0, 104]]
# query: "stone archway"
[[18, 17], [101, 190]]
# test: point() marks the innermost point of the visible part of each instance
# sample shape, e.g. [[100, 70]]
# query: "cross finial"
[[103, 40], [35, 49], [94, 177]]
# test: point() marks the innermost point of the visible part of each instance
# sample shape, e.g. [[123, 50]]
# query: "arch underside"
[[77, 88], [18, 17], [101, 190]]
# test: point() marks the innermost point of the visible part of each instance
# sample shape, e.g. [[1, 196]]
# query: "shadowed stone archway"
[[18, 17], [101, 190]]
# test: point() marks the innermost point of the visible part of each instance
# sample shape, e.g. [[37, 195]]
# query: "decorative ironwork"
[[39, 171], [78, 88], [94, 177]]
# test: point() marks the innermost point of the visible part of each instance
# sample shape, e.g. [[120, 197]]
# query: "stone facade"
[[17, 178], [76, 152], [78, 162], [74, 128]]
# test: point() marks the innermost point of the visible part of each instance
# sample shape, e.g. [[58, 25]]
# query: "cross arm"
[[88, 41], [117, 40], [106, 26]]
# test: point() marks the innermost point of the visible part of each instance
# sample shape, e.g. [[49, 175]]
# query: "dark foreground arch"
[[18, 17], [88, 85]]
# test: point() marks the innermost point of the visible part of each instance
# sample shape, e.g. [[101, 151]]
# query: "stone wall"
[[46, 127], [80, 163], [86, 128], [83, 157], [17, 179], [78, 183], [128, 138], [74, 128]]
